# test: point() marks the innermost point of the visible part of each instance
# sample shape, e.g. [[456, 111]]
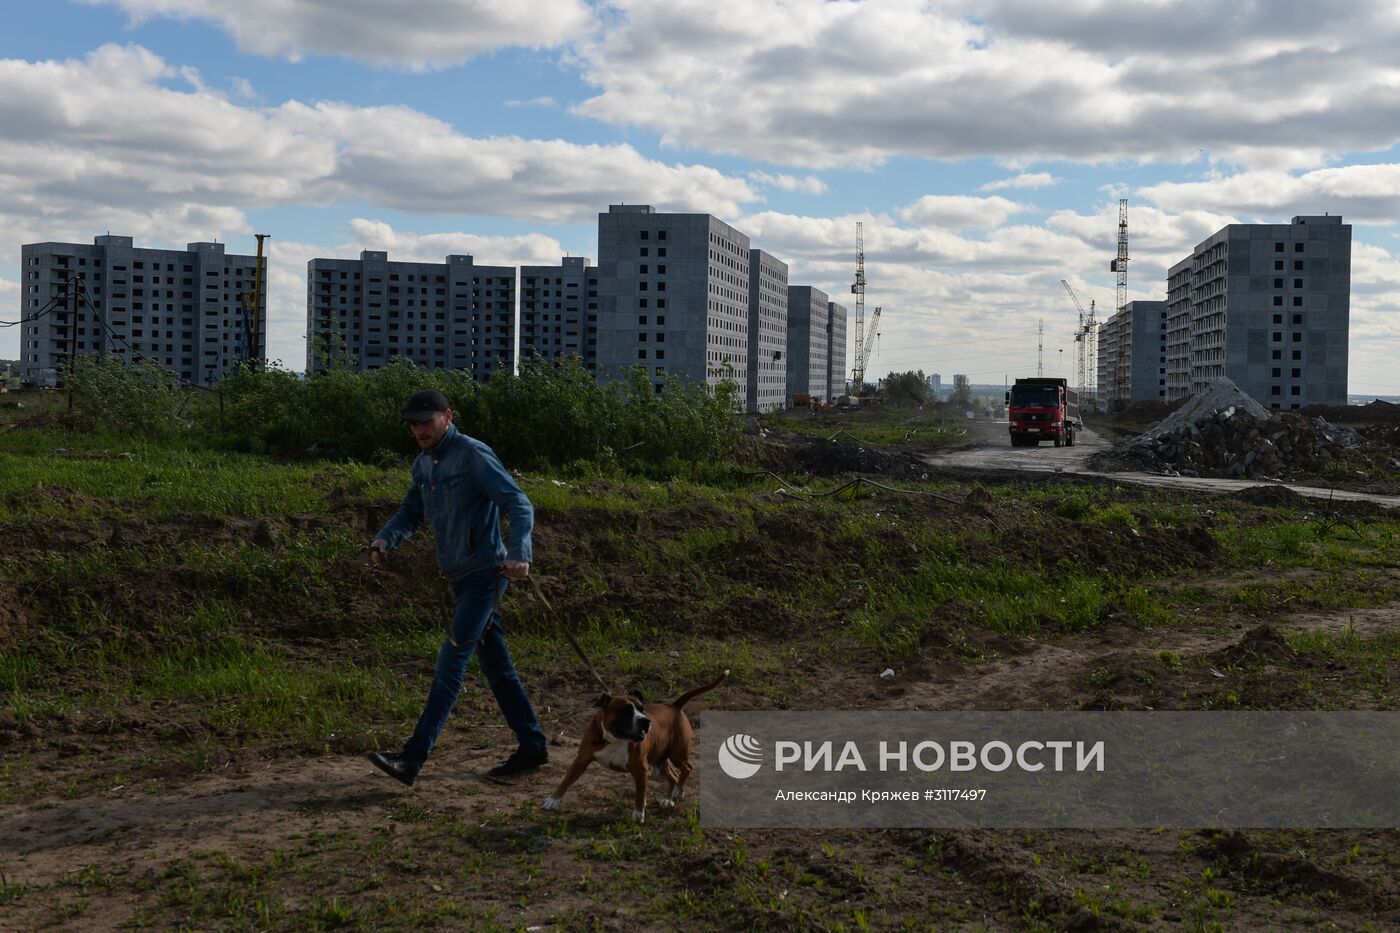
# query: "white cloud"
[[10, 310], [815, 83], [1360, 193], [529, 249], [419, 35], [1023, 180], [961, 211], [243, 88], [533, 102], [107, 142], [808, 184]]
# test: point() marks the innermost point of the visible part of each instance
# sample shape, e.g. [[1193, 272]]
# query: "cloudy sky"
[[983, 144]]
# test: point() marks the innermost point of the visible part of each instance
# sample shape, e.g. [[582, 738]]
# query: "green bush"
[[551, 414], [142, 398]]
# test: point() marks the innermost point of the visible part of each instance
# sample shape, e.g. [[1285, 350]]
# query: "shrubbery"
[[142, 398], [549, 415]]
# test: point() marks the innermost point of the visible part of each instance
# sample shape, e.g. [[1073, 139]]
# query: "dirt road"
[[994, 452]]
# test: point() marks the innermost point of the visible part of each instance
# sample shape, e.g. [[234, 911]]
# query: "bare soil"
[[311, 835]]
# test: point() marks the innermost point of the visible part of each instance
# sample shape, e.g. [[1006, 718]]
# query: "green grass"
[[153, 481], [189, 648]]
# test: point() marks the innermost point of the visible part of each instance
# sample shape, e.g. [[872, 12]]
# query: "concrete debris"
[[1223, 432], [1222, 397]]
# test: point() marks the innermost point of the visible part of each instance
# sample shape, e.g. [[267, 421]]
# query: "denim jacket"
[[461, 487]]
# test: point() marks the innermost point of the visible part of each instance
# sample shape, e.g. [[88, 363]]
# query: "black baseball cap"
[[423, 405]]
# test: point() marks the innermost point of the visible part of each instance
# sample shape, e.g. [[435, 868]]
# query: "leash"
[[573, 642], [568, 635]]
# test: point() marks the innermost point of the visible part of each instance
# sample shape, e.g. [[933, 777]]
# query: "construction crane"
[[252, 307], [1084, 344], [871, 336], [1119, 264], [858, 289]]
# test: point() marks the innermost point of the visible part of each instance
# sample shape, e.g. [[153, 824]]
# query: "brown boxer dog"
[[628, 735]]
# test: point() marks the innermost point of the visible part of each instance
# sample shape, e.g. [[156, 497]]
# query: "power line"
[[48, 308]]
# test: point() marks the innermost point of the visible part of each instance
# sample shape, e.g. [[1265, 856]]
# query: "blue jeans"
[[473, 629]]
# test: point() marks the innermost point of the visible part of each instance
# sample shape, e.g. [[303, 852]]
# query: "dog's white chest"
[[614, 755]]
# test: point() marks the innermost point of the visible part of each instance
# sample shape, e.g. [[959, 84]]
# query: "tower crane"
[[1084, 344], [858, 289], [1119, 264], [253, 311], [865, 341]]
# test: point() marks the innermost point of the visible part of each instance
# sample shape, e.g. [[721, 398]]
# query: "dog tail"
[[681, 700]]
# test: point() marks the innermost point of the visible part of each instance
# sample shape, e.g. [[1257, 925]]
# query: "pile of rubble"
[[1224, 432]]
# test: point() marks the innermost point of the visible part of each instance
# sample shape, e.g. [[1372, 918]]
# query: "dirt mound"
[[1225, 433], [1269, 495], [1373, 412], [1221, 396], [1291, 877], [44, 496], [830, 458], [33, 535], [14, 619], [1260, 645]]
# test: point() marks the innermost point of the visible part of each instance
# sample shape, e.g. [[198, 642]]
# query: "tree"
[[907, 388], [962, 391]]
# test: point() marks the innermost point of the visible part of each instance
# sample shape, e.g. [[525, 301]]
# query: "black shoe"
[[396, 766], [523, 759]]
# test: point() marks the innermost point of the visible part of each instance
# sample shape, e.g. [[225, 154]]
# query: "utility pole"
[[257, 300], [1040, 349], [72, 333]]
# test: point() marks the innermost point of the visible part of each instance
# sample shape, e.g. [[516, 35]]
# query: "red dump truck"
[[1043, 409]]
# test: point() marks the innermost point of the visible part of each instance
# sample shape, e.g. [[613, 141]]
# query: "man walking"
[[461, 488]]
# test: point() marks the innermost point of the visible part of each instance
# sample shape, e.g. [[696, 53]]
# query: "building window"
[[1278, 283], [642, 353], [1277, 355], [1278, 265], [1297, 247], [1277, 373], [1278, 318], [1297, 283], [1295, 390], [1297, 337], [1278, 247], [1297, 373], [1276, 390], [1278, 336], [1297, 319], [1297, 354], [1278, 301], [1297, 265]]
